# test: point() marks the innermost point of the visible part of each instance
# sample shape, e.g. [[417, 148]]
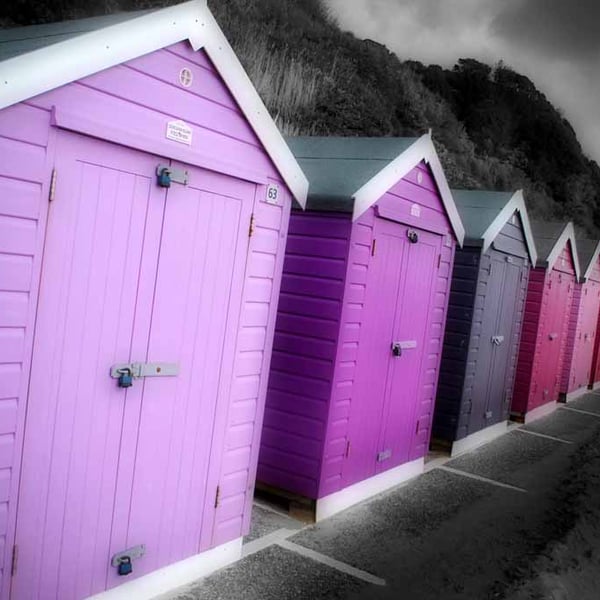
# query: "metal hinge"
[[439, 260], [217, 496], [347, 449], [251, 228], [52, 190], [373, 246], [15, 558]]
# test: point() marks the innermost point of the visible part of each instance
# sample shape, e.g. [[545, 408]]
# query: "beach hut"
[[139, 162], [360, 321], [545, 324], [485, 314], [577, 369]]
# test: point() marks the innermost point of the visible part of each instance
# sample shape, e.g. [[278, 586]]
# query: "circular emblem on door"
[[186, 77]]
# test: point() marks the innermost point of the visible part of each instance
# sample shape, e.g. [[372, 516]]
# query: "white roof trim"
[[592, 262], [516, 204], [422, 149], [45, 69], [568, 235]]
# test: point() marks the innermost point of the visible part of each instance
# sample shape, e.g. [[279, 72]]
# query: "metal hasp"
[[165, 175], [122, 560], [552, 336], [497, 339], [381, 456], [137, 370]]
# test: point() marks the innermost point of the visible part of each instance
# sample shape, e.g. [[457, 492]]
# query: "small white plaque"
[[415, 210], [272, 196], [179, 131], [419, 177]]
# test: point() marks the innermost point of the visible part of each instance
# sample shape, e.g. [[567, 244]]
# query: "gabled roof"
[[484, 214], [588, 252], [550, 239], [41, 58], [350, 174]]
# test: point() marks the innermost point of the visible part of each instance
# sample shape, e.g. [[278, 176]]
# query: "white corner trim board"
[[592, 262], [479, 438], [540, 411], [363, 490], [176, 575], [421, 150], [48, 68]]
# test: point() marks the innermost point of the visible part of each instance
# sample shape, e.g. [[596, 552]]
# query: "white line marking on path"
[[331, 562], [484, 479], [582, 412], [266, 540], [543, 435]]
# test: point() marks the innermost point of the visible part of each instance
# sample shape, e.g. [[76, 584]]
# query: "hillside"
[[492, 127]]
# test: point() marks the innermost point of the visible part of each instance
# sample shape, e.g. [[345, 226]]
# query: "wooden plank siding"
[[26, 147], [307, 335], [573, 331], [460, 347], [251, 371]]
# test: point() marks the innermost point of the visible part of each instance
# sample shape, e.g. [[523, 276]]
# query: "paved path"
[[467, 529]]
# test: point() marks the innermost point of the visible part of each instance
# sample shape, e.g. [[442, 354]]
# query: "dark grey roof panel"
[[546, 234], [337, 167], [20, 40], [585, 250], [478, 210]]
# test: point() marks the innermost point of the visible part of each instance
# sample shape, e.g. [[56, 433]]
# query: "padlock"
[[125, 378], [125, 567], [163, 178]]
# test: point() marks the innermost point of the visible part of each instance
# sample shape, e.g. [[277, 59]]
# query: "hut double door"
[[590, 304], [132, 273], [398, 306], [490, 396], [558, 288]]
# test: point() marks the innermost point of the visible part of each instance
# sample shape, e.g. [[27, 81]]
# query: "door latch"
[[126, 373], [497, 339]]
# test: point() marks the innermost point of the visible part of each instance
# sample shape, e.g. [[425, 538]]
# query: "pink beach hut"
[[360, 322], [583, 322], [546, 321], [144, 198]]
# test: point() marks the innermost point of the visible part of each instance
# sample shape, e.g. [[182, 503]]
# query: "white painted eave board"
[[515, 204], [592, 262], [422, 150], [28, 75], [568, 235]]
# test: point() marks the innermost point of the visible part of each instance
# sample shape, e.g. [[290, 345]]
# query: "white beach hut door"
[[132, 273]]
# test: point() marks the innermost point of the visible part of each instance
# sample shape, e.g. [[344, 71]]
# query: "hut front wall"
[[551, 296], [305, 350], [130, 105], [487, 298], [344, 462], [579, 368], [573, 331]]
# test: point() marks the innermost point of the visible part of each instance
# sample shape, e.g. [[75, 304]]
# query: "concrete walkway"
[[468, 528]]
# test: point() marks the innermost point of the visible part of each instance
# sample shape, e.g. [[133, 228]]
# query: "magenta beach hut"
[[583, 322], [360, 321], [546, 321], [139, 163]]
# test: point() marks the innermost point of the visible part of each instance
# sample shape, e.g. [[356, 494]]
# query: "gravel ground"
[[447, 536]]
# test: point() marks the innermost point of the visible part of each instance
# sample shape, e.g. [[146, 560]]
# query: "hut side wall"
[[418, 186], [26, 147], [314, 282], [459, 349]]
